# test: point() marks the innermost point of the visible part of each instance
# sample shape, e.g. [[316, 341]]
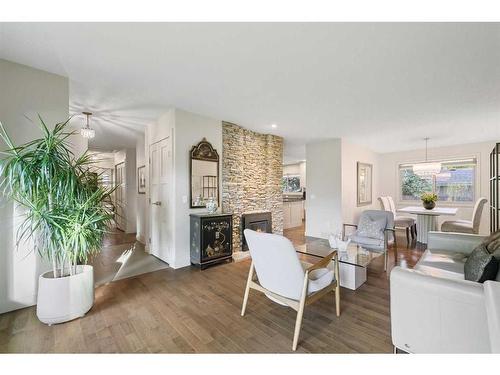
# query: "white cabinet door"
[[286, 215], [296, 214]]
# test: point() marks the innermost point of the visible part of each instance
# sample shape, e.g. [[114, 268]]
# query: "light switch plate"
[[184, 199]]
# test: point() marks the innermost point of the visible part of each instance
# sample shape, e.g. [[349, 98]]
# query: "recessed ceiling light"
[[274, 126]]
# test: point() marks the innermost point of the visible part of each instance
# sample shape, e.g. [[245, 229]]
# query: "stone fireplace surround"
[[252, 170]]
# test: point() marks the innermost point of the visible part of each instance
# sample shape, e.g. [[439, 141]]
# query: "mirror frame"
[[202, 151]]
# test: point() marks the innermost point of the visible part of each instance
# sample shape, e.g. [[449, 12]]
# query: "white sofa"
[[435, 310]]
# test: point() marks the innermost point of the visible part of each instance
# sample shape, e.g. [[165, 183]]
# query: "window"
[[290, 184], [455, 183]]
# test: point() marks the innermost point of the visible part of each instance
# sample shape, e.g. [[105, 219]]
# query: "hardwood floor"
[[122, 257], [192, 311]]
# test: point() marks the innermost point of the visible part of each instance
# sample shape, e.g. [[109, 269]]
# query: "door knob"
[[157, 203]]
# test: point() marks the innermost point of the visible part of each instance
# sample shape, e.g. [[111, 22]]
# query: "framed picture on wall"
[[141, 180], [364, 191]]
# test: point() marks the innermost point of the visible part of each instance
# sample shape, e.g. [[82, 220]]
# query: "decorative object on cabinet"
[[364, 183], [211, 205], [203, 174], [211, 238], [494, 189], [141, 180]]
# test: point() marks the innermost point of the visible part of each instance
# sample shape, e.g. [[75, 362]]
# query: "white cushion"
[[460, 226], [319, 279], [442, 263], [404, 221]]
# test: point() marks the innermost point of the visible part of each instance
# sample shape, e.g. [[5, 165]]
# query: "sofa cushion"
[[496, 254], [442, 263], [492, 242], [481, 265]]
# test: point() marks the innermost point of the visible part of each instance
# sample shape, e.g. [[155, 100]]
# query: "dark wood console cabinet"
[[211, 238]]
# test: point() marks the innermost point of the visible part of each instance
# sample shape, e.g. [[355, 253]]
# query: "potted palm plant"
[[65, 216]]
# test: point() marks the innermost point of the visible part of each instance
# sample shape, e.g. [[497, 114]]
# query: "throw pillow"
[[496, 254], [492, 242], [371, 228], [481, 265]]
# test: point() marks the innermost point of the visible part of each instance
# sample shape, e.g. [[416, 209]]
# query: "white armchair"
[[435, 310], [379, 241], [284, 279]]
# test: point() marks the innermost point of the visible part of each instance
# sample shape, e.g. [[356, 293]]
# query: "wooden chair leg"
[[408, 235], [337, 298], [247, 289], [415, 226], [298, 323], [300, 311]]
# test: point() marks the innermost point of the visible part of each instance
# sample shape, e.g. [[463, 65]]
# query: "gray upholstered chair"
[[375, 231], [400, 222], [466, 226], [284, 279]]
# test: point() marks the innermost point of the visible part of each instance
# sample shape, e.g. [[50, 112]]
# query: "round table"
[[427, 219]]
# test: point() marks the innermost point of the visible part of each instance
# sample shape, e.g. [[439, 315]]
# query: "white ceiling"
[[385, 86]]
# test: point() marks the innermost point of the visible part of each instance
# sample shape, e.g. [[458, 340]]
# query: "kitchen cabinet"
[[293, 213]]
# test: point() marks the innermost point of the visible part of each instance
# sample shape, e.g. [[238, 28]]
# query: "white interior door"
[[120, 201], [160, 162]]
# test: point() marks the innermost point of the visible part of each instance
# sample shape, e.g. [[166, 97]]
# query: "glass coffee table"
[[352, 262]]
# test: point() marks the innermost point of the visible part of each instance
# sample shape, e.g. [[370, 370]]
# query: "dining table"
[[427, 219]]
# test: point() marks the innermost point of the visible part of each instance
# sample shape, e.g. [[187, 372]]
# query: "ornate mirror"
[[204, 176]]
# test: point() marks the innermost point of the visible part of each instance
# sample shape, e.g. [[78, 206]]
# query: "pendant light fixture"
[[87, 131], [427, 168]]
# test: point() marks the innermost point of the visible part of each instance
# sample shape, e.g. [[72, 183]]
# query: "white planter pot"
[[66, 298]]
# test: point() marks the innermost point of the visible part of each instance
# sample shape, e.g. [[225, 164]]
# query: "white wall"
[[189, 130], [127, 156], [351, 154], [389, 185], [185, 129], [141, 214], [103, 160], [324, 188], [25, 92]]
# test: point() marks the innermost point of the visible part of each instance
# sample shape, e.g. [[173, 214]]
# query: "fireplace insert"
[[257, 221]]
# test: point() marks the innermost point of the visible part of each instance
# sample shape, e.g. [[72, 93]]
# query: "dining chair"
[[466, 226], [375, 231], [277, 272], [400, 222]]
